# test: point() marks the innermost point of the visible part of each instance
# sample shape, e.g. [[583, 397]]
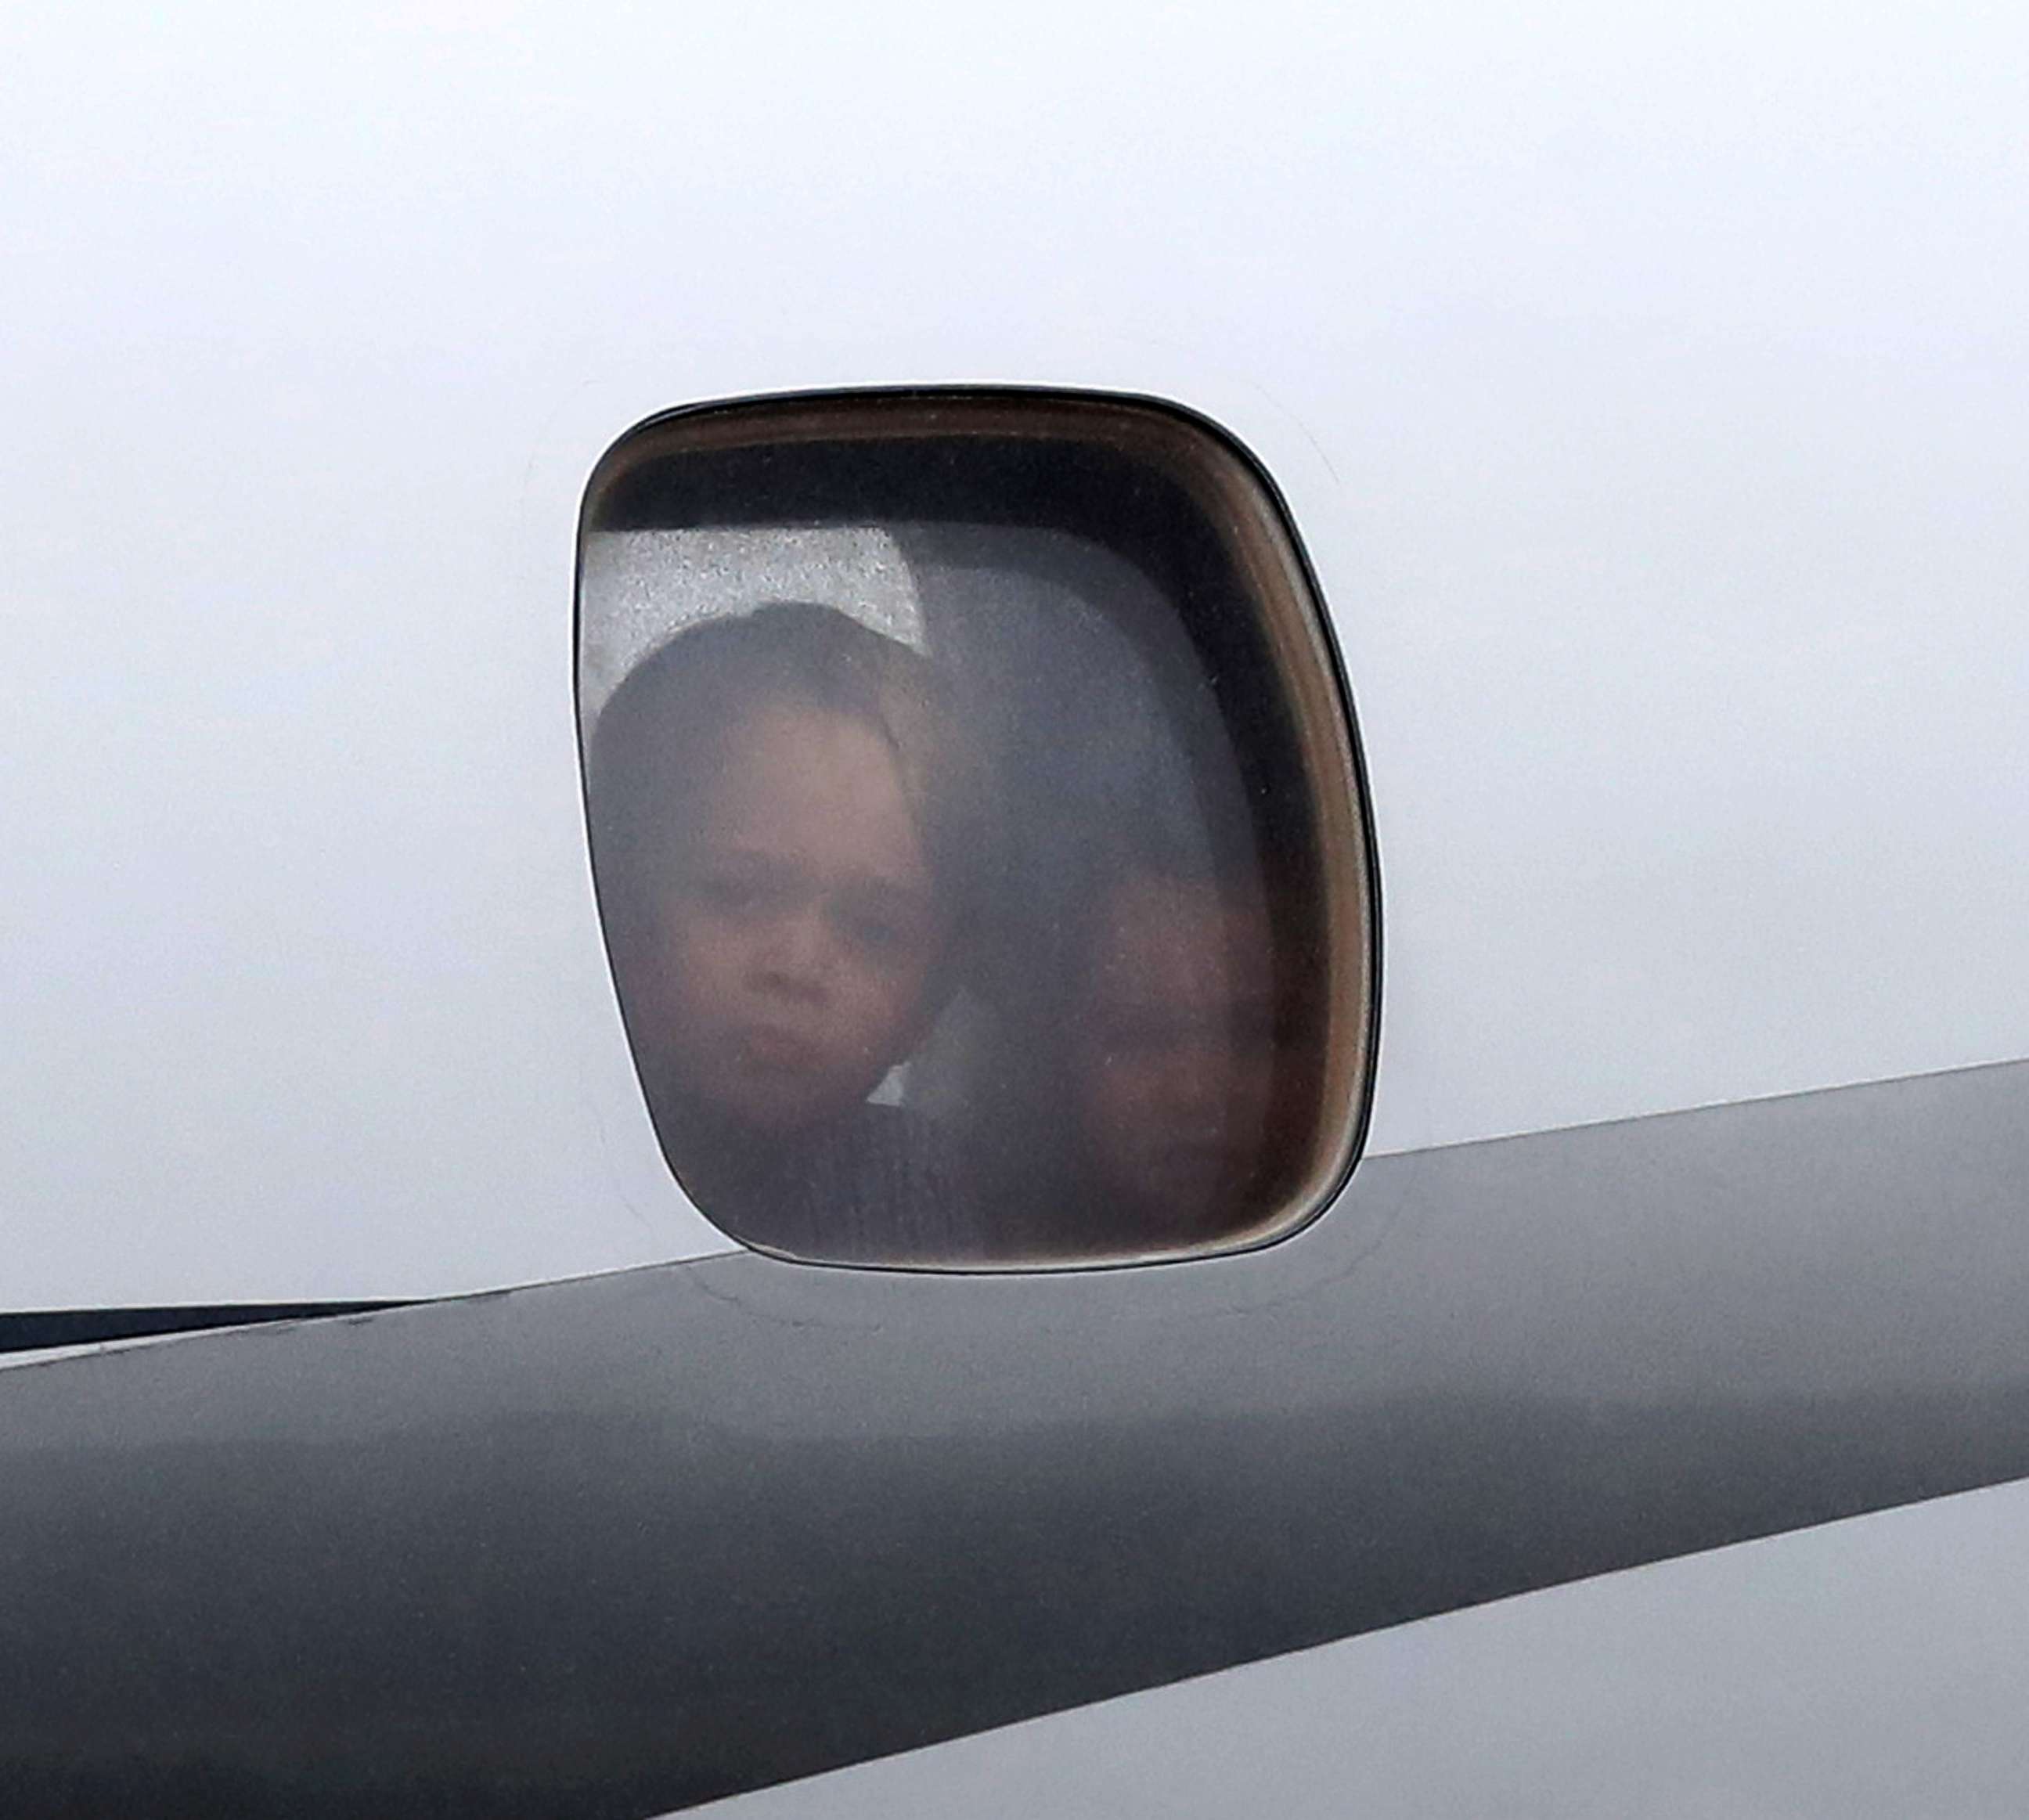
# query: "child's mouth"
[[776, 1050]]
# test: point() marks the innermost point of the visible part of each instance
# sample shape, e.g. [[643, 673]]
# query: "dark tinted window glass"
[[976, 829]]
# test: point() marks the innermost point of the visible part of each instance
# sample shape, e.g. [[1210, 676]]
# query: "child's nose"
[[799, 953]]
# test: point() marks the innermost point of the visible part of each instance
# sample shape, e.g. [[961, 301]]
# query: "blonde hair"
[[652, 751]]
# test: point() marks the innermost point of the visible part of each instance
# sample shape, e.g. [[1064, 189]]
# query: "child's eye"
[[733, 891], [727, 894], [878, 934], [879, 927], [868, 930]]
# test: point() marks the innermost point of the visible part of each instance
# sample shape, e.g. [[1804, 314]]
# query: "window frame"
[[1236, 496]]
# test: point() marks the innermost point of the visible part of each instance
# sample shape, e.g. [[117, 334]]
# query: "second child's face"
[[1176, 1059], [797, 946]]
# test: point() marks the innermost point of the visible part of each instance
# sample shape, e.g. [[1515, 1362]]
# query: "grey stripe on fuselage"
[[615, 1546], [1871, 1669]]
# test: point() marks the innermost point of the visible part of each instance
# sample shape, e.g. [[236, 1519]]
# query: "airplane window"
[[977, 829]]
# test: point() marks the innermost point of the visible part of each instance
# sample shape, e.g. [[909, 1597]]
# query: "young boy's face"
[[798, 938], [1176, 1056]]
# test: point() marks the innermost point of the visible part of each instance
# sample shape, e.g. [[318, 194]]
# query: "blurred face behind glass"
[[1176, 1056], [796, 941]]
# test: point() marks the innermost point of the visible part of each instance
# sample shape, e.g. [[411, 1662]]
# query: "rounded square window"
[[978, 828]]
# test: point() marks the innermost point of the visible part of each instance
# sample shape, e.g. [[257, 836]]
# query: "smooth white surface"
[[1650, 389], [1870, 1669]]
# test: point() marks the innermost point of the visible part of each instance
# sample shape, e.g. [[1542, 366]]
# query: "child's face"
[[798, 939], [1177, 1055]]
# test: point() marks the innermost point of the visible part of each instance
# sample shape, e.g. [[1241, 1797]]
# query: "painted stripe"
[[1871, 1668]]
